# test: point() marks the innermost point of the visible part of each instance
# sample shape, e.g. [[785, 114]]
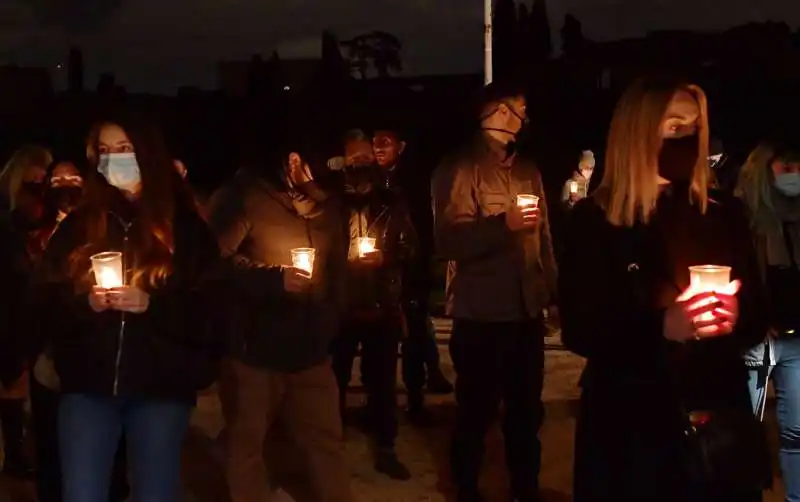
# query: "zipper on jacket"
[[121, 335]]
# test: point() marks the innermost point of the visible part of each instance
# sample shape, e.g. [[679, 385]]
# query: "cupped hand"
[[99, 299], [296, 280], [522, 218], [129, 299], [372, 259]]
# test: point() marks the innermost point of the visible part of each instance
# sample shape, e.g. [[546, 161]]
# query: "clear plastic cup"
[[366, 245], [107, 268], [527, 200], [303, 258]]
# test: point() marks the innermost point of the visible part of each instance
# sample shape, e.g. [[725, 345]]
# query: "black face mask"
[[33, 188], [677, 159], [64, 198]]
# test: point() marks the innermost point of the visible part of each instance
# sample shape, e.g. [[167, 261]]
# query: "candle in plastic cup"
[[573, 187], [708, 278], [527, 200], [366, 245], [107, 268], [303, 258]]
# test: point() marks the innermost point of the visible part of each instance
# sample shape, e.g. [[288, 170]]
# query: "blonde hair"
[[629, 189], [753, 184], [13, 174]]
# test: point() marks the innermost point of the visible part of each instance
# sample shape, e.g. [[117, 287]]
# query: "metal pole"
[[487, 42]]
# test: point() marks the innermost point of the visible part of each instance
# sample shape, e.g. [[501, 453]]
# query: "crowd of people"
[[273, 286]]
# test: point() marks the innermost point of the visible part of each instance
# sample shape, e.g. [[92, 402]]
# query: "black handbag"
[[783, 283], [725, 451]]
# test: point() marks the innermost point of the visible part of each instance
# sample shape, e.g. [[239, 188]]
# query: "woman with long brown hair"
[[131, 355], [664, 374], [23, 234]]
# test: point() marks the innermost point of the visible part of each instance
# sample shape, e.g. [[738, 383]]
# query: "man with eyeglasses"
[[491, 225]]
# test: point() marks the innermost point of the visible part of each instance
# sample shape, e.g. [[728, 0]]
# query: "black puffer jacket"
[[170, 351]]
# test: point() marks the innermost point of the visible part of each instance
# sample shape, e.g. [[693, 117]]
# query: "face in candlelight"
[[366, 245], [303, 258], [107, 268], [527, 200]]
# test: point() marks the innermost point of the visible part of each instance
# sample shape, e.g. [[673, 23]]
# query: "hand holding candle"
[[573, 188], [710, 302], [525, 214]]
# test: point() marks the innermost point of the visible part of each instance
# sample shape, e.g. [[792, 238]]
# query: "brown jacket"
[[494, 275]]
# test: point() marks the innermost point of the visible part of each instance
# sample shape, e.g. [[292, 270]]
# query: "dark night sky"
[[155, 45]]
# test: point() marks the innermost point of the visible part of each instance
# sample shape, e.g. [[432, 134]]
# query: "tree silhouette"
[[377, 49], [542, 41], [572, 39], [505, 31], [333, 64]]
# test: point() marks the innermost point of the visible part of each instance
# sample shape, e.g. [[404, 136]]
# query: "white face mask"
[[121, 170], [586, 173]]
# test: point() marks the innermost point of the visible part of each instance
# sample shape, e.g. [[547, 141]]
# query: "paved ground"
[[425, 451]]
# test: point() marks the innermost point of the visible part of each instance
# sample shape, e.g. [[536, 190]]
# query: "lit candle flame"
[[573, 187], [366, 245], [526, 200], [109, 278], [303, 258]]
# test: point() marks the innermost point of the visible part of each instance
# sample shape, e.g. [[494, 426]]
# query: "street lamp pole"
[[487, 42]]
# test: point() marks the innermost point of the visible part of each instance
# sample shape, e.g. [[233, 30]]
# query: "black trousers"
[[44, 408], [12, 423], [498, 363], [378, 342], [419, 351]]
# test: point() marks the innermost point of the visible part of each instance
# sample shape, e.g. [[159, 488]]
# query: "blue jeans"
[[89, 428], [786, 380]]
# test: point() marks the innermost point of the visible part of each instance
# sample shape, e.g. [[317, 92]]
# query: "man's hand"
[[522, 218], [296, 280]]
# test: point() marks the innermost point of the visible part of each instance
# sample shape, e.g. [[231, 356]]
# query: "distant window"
[[287, 88]]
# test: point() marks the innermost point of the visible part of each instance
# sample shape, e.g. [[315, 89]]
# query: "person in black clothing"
[[419, 351], [286, 313], [626, 304], [130, 358], [23, 234], [501, 277], [63, 193], [381, 241]]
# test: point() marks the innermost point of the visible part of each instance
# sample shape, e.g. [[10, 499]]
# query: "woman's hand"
[[99, 299], [702, 315], [725, 317], [373, 259], [129, 299]]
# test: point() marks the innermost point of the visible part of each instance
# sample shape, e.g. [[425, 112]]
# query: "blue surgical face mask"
[[120, 170], [788, 184]]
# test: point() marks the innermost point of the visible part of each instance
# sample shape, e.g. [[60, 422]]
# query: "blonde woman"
[[769, 184], [23, 234], [626, 306]]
